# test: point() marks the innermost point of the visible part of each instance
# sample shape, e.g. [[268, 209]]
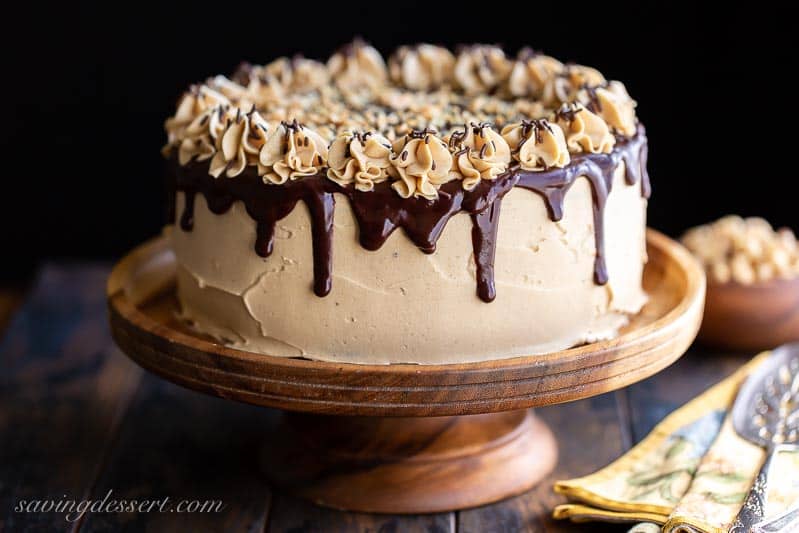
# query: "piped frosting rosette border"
[[374, 122]]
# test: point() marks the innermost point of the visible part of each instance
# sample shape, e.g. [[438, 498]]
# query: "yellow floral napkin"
[[690, 474]]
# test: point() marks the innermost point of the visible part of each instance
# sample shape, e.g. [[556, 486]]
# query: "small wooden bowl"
[[752, 317]]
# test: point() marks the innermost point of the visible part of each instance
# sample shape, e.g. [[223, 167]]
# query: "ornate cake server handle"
[[754, 506], [766, 413], [787, 522]]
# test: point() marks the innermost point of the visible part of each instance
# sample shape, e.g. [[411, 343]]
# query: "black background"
[[90, 88]]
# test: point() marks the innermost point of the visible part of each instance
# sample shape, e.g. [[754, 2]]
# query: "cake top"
[[424, 118]]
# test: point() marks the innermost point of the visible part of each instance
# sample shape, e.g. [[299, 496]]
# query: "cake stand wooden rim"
[[403, 389]]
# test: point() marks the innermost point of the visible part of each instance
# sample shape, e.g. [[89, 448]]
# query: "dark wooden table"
[[78, 419]]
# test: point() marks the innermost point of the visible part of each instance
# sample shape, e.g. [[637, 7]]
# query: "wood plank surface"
[[77, 418], [64, 387], [184, 445], [298, 516]]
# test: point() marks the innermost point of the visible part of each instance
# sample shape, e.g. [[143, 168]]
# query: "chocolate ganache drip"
[[380, 211]]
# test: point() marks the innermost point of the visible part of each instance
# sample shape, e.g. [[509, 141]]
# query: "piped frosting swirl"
[[193, 104], [290, 152], [612, 103], [537, 144], [585, 131], [564, 86], [532, 72], [357, 65], [480, 153], [422, 67], [481, 68], [359, 158], [298, 73], [422, 163], [199, 138], [239, 145]]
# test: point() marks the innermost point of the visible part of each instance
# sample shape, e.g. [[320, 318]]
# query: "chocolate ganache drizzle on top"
[[378, 208]]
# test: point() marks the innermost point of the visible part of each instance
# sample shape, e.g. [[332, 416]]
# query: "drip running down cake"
[[433, 208]]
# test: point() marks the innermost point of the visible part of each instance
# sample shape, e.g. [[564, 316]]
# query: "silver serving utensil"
[[766, 413], [787, 522]]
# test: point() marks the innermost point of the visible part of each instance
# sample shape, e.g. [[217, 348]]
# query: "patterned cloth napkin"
[[690, 474]]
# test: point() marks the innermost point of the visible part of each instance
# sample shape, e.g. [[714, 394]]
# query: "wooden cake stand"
[[396, 438]]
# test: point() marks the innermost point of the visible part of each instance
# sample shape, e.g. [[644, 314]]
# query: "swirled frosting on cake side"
[[429, 141]]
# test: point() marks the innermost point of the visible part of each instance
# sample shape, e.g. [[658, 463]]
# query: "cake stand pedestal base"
[[409, 464]]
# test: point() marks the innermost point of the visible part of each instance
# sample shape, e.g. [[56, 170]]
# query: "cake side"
[[396, 304]]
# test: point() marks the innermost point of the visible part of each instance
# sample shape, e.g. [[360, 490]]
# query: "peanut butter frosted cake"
[[519, 186]]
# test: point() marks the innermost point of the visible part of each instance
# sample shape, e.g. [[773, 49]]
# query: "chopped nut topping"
[[744, 251]]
